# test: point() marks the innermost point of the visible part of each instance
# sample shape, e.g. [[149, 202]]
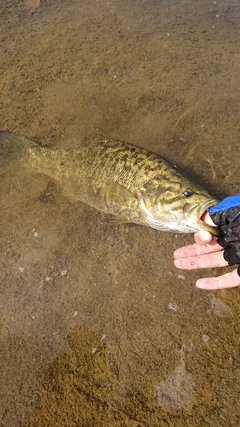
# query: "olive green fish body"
[[122, 179], [106, 174]]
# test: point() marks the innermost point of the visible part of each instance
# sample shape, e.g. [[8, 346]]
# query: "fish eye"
[[187, 193]]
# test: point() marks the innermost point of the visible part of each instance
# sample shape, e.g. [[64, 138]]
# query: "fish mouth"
[[200, 210]]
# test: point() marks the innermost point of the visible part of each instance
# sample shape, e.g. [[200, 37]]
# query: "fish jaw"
[[206, 227], [196, 212]]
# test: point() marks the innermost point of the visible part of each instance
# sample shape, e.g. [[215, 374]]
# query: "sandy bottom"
[[98, 328]]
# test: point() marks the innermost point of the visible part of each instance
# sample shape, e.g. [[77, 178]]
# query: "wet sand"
[[97, 326]]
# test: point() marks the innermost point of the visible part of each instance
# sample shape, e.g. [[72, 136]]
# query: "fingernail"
[[205, 236]]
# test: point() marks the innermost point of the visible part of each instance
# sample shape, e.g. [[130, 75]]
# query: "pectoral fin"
[[121, 202], [116, 193]]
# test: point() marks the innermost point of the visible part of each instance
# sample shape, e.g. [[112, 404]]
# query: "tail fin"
[[13, 148]]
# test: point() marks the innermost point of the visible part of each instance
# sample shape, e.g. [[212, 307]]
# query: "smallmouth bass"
[[134, 184]]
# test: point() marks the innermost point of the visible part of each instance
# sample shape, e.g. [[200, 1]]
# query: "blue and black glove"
[[226, 215]]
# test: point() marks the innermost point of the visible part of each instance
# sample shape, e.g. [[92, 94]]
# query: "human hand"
[[206, 253]]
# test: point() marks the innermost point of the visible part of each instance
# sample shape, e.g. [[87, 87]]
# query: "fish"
[[131, 183]]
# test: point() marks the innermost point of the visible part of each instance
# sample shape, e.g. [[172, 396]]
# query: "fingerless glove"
[[226, 215]]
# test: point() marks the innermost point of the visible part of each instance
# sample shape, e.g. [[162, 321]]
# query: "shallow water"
[[97, 326]]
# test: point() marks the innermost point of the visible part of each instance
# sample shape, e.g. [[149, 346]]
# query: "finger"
[[228, 280], [195, 249], [211, 260], [207, 219], [203, 237]]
